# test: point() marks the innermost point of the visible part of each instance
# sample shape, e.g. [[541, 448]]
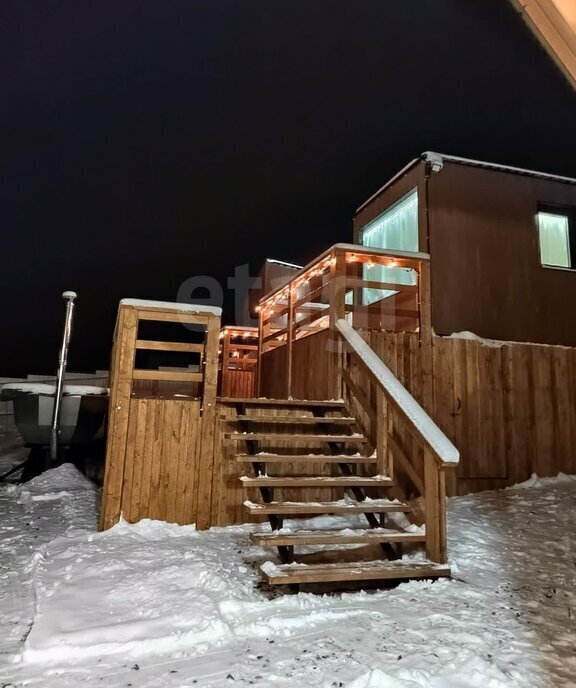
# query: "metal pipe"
[[69, 296]]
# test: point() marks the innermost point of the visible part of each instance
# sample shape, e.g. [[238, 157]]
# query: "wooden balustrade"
[[238, 362], [395, 405], [341, 284]]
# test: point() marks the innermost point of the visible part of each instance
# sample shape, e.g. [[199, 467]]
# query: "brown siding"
[[484, 253], [485, 262], [315, 372]]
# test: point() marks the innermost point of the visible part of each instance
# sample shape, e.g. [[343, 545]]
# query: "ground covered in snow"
[[157, 605]]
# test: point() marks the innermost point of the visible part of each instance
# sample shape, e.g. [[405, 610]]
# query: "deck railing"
[[370, 288], [238, 361], [351, 288], [395, 405]]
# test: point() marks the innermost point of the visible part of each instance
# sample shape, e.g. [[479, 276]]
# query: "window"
[[395, 229], [557, 237]]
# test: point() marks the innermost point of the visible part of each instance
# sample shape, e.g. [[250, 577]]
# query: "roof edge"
[[439, 158]]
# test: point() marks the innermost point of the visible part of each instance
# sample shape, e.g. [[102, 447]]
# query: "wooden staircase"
[[315, 454]]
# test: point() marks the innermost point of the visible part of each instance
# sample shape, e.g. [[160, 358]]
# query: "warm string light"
[[304, 280]]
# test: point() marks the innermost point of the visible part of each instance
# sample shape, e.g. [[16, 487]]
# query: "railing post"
[[435, 508], [225, 376], [337, 311], [383, 431], [260, 352], [426, 337], [207, 428], [289, 340]]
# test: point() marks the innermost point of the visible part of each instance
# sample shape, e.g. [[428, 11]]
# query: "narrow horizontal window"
[[396, 229]]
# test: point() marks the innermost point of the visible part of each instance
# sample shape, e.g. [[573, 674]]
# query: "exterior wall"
[[486, 275], [479, 227]]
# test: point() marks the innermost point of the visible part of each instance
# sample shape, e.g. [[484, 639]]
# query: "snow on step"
[[348, 536], [263, 401], [373, 506], [286, 574], [302, 420], [305, 458], [299, 439], [317, 481]]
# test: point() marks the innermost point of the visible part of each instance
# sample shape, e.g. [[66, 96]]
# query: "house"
[[502, 245], [434, 355]]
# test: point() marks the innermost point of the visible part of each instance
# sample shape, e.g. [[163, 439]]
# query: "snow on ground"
[[163, 606]]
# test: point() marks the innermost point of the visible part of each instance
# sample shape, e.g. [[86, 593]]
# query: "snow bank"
[[184, 608], [535, 481]]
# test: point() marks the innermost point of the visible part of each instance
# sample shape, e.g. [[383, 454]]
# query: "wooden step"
[[304, 458], [317, 481], [291, 439], [287, 574], [300, 420], [370, 506], [333, 537], [309, 403]]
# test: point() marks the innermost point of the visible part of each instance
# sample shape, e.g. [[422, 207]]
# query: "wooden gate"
[[161, 425]]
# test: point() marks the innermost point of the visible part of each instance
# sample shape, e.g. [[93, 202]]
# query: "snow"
[[440, 157], [417, 415], [169, 305], [494, 343], [164, 606], [283, 262], [41, 388]]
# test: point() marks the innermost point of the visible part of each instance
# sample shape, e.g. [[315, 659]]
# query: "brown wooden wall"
[[481, 234], [238, 384], [510, 409], [315, 373], [162, 478]]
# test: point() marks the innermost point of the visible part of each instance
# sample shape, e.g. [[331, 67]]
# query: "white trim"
[[439, 158], [283, 262], [424, 425]]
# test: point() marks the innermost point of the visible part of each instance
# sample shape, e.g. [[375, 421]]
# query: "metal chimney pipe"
[[69, 296]]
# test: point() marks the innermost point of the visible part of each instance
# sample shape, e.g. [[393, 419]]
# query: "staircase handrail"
[[419, 422]]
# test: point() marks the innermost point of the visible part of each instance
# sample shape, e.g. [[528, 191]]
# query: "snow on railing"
[[421, 423]]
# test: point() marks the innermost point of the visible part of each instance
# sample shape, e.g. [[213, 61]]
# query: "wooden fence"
[[510, 408]]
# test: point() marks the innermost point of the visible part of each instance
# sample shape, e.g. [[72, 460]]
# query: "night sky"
[[145, 142]]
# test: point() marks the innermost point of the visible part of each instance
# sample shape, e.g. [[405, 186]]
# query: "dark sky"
[[145, 142]]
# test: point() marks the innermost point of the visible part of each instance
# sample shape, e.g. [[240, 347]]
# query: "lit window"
[[396, 229], [554, 231]]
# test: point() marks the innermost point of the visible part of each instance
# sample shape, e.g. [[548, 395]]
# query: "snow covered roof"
[[50, 390], [171, 306], [439, 159]]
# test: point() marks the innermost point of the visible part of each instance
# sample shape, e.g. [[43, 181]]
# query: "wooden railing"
[[396, 405], [238, 361], [341, 283]]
